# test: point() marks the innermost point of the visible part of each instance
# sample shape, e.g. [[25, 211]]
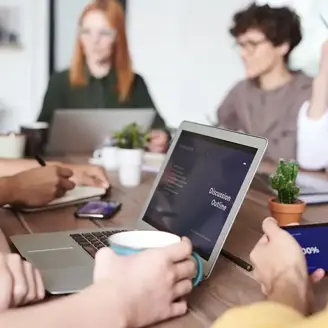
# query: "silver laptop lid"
[[83, 130], [201, 186]]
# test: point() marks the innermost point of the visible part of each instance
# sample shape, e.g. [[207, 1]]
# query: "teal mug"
[[131, 242]]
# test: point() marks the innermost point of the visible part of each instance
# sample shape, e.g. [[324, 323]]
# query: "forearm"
[[9, 167], [319, 99], [90, 308], [6, 191], [311, 140]]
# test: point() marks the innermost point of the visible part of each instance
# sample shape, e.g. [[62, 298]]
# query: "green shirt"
[[98, 93]]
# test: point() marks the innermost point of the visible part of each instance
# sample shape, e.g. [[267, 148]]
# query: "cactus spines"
[[284, 182]]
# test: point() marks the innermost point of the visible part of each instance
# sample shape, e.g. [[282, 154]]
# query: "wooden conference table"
[[228, 286]]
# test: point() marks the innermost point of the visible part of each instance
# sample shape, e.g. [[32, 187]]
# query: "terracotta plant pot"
[[286, 213]]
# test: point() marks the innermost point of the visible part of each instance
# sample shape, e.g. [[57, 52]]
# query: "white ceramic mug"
[[132, 242], [12, 145], [108, 157], [130, 167]]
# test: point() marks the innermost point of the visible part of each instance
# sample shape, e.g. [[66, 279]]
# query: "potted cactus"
[[131, 142], [286, 208]]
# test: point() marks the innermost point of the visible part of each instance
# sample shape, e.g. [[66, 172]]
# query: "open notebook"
[[78, 195]]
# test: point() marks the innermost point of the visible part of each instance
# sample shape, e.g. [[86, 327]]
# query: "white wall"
[[307, 55], [181, 48], [24, 72], [67, 15]]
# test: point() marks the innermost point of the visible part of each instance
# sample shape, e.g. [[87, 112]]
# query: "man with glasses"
[[273, 101]]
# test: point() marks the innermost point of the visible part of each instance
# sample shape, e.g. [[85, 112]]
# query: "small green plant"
[[284, 182], [131, 137]]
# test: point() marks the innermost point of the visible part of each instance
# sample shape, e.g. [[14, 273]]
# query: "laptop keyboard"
[[91, 242]]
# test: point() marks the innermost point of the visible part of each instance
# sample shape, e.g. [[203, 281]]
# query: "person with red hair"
[[101, 75]]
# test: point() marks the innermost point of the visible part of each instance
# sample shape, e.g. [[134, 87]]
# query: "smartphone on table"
[[100, 209], [313, 238]]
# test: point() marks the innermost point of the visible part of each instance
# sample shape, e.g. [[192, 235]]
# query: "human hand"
[[89, 175], [20, 283], [4, 246], [280, 266], [159, 141], [276, 255], [39, 186], [151, 284]]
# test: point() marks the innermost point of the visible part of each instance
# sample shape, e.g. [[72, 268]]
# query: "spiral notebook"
[[78, 195]]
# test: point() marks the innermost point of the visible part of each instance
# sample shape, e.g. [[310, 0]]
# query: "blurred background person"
[[101, 73], [273, 101]]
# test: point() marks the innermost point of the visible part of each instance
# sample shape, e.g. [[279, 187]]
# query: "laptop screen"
[[198, 188]]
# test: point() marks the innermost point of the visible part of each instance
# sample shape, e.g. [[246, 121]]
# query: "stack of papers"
[[314, 190]]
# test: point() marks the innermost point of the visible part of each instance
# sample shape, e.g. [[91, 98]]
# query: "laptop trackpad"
[[57, 258]]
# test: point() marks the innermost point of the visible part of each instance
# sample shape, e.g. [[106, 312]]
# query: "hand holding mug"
[[131, 242], [152, 284]]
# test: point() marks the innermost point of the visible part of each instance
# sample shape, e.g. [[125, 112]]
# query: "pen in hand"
[[40, 160]]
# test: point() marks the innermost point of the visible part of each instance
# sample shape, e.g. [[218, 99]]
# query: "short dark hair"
[[279, 25]]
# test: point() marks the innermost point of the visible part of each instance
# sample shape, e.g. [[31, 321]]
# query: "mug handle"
[[199, 264]]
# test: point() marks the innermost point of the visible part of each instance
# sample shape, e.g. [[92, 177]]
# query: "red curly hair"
[[120, 55]]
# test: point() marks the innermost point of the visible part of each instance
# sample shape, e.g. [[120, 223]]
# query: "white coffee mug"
[[12, 145], [108, 157], [130, 167]]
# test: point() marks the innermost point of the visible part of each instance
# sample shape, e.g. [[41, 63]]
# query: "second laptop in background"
[[83, 130]]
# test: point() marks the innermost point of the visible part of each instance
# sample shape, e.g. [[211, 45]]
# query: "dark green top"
[[98, 93]]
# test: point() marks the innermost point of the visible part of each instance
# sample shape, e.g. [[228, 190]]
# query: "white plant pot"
[[130, 166]]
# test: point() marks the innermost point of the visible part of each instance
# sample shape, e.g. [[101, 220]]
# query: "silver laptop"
[[197, 193], [83, 130]]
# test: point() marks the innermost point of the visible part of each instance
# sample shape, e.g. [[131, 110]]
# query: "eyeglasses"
[[103, 33], [250, 46]]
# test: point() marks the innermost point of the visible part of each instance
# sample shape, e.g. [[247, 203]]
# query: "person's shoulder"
[[139, 86], [302, 81], [239, 87], [242, 84], [60, 77], [138, 80]]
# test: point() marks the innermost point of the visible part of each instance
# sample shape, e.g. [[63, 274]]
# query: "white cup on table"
[[12, 145], [107, 157], [130, 167]]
